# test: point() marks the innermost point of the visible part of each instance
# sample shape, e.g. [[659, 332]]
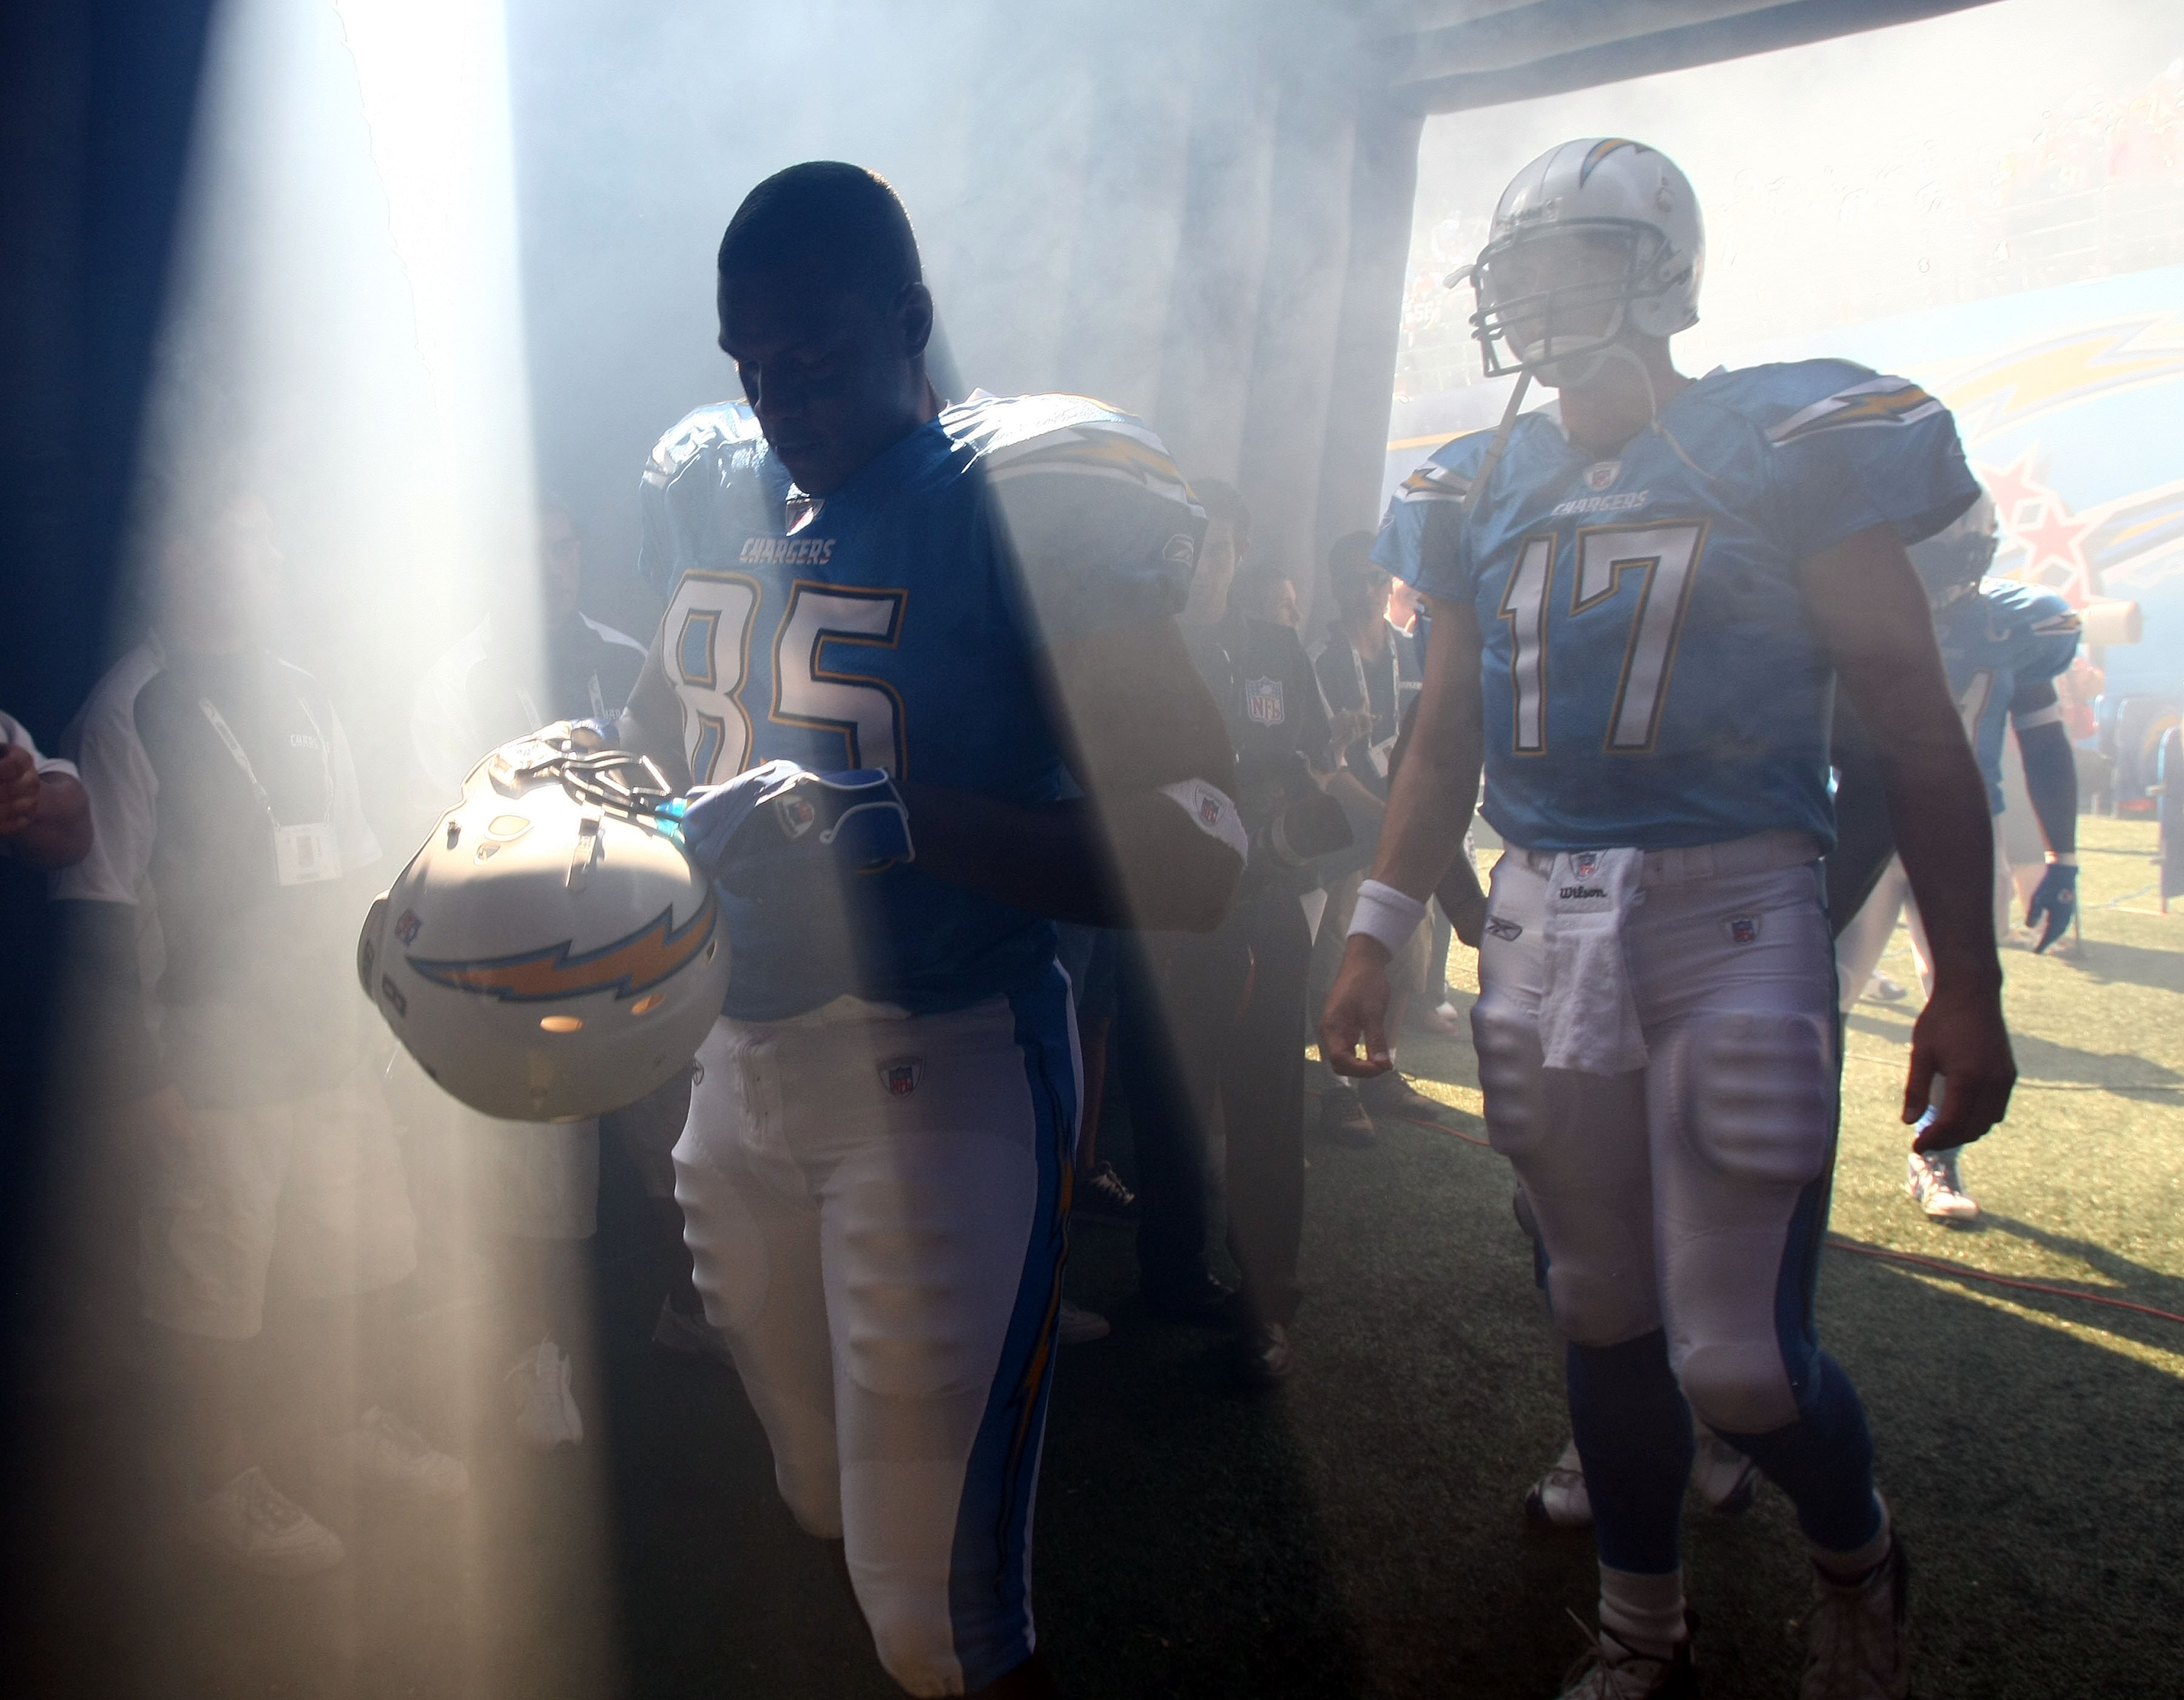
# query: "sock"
[[1645, 1612], [1858, 1562], [1824, 1461], [1633, 1432]]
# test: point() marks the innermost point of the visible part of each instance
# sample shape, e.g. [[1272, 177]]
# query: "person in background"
[[45, 818], [512, 672], [536, 658], [1211, 1023], [1362, 667], [221, 785], [1265, 593], [1088, 956], [2003, 644]]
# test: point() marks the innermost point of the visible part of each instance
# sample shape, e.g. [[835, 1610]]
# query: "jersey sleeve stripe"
[[1879, 401]]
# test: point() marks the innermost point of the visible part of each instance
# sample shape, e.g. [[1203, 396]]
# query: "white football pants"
[[875, 1206], [1689, 1195]]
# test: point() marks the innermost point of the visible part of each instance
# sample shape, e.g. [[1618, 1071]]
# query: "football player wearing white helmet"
[[1642, 599], [2003, 643], [953, 629]]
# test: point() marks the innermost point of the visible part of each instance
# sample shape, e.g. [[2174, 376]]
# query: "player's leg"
[[344, 1246], [1578, 1145], [1262, 1100], [944, 1219], [206, 1242], [1742, 1089], [752, 1223], [1934, 1179], [1861, 944]]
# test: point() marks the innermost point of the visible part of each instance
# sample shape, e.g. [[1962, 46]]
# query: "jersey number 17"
[[1669, 557]]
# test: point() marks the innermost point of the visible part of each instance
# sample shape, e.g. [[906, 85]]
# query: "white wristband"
[[1211, 812], [1385, 915]]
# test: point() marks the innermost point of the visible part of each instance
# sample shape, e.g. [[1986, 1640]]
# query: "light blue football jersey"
[[1651, 677], [2007, 634], [894, 624]]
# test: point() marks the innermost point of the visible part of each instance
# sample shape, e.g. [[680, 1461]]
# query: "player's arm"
[[1868, 609], [1428, 808], [2051, 780], [1127, 854], [651, 722], [45, 818]]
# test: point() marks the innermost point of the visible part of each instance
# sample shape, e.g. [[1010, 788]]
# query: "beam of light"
[[343, 343]]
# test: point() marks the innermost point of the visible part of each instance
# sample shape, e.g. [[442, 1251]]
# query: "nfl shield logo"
[[1262, 701], [1743, 929], [796, 815], [1584, 864], [1602, 474], [899, 1075], [1209, 813], [408, 926]]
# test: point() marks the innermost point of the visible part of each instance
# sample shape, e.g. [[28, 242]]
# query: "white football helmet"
[[1593, 239], [1950, 563], [550, 953]]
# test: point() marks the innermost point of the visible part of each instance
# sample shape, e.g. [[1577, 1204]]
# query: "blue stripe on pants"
[[990, 1578]]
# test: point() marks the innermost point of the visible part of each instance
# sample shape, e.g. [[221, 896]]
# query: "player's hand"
[[1959, 1036], [777, 823], [19, 787], [1357, 1009], [2056, 897]]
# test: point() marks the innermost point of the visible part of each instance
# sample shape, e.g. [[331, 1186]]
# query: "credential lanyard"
[[242, 760]]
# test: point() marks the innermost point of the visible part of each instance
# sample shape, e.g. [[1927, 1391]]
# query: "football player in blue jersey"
[[1642, 599], [2005, 644], [963, 617]]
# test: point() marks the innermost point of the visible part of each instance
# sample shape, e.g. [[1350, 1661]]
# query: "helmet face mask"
[[1950, 563], [1594, 243], [1553, 293]]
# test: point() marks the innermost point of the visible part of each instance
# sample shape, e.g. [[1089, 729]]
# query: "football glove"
[[773, 826], [2056, 897]]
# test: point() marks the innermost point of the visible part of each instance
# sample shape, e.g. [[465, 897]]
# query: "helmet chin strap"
[[1493, 457]]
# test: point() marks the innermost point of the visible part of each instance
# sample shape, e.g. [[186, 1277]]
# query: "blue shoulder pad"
[[1102, 528], [1424, 516], [1858, 448], [702, 437]]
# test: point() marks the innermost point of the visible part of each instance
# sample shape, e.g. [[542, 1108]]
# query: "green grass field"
[[1362, 1533]]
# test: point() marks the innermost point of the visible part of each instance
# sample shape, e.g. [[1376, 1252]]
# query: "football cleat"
[[1933, 1181], [546, 1413], [1076, 1326], [552, 952], [1611, 1670], [1882, 989], [251, 1523], [1861, 1646], [1343, 1119], [1103, 1196], [386, 1450], [1557, 1500], [1725, 1479]]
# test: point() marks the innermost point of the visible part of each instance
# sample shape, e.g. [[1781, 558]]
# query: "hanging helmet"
[[1594, 239], [550, 953], [1954, 559]]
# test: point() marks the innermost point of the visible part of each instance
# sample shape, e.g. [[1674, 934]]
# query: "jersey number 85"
[[707, 648]]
